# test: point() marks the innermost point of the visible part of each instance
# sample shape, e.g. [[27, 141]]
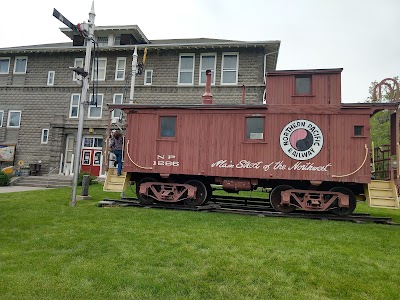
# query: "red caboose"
[[312, 150]]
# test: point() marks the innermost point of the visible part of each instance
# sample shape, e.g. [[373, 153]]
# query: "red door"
[[91, 158]]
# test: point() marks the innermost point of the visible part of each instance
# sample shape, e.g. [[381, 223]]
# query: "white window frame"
[[212, 71], [113, 116], [103, 78], [229, 70], [146, 72], [1, 117], [94, 106], [102, 41], [78, 63], [117, 40], [117, 71], [50, 77], [8, 68], [9, 118], [88, 163], [94, 140], [186, 70], [71, 106], [45, 137], [94, 158], [15, 64], [87, 139]]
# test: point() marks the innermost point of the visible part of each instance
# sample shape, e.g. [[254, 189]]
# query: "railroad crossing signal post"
[[87, 31]]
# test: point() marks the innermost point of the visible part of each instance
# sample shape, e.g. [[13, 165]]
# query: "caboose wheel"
[[275, 199], [209, 193], [342, 211], [201, 193], [143, 199]]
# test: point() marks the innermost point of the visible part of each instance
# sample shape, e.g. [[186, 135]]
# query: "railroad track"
[[251, 208]]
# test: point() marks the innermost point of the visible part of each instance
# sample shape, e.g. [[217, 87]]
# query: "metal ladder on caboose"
[[382, 192]]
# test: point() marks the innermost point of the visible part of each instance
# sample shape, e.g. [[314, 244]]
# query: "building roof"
[[106, 30], [188, 43], [196, 43], [271, 48]]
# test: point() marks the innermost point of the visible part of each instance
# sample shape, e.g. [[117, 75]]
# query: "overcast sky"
[[360, 36]]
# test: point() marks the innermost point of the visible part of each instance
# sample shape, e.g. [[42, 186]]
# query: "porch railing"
[[382, 163]]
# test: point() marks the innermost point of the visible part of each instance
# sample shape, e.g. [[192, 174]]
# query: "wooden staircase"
[[115, 183], [383, 194]]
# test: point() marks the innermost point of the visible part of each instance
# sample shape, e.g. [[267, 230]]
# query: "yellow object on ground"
[[8, 170], [382, 194], [114, 183]]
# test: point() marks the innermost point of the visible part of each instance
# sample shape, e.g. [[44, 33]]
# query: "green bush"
[[4, 179], [92, 179]]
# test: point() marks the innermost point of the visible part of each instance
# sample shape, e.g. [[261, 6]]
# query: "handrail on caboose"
[[373, 157], [355, 171], [107, 154]]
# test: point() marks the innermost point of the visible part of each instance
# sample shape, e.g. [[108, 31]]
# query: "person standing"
[[116, 145]]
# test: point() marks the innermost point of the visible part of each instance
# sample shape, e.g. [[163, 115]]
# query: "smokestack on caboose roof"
[[208, 97]]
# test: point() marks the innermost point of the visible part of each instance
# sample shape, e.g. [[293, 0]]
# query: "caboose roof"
[[363, 108], [305, 71], [373, 107], [133, 106]]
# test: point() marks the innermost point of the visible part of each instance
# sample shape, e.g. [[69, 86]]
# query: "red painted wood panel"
[[325, 90], [211, 142]]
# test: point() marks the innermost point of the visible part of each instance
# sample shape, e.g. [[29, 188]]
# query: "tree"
[[380, 122]]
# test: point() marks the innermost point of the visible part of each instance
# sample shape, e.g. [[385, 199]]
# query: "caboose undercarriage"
[[193, 192], [196, 191], [340, 200]]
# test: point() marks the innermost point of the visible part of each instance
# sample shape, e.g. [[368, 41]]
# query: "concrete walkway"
[[15, 188]]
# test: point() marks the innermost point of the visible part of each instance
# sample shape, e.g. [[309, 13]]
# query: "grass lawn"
[[49, 250]]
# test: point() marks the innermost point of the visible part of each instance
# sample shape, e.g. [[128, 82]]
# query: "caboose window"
[[167, 126], [358, 130], [303, 85], [254, 128]]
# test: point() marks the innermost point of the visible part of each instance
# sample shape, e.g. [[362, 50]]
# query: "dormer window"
[[303, 85], [117, 40], [102, 41]]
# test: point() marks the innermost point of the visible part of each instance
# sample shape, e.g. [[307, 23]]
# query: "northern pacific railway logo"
[[301, 139]]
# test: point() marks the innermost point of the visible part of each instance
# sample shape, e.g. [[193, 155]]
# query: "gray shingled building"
[[39, 94]]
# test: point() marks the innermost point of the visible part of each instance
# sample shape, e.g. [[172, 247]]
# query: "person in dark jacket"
[[116, 145]]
